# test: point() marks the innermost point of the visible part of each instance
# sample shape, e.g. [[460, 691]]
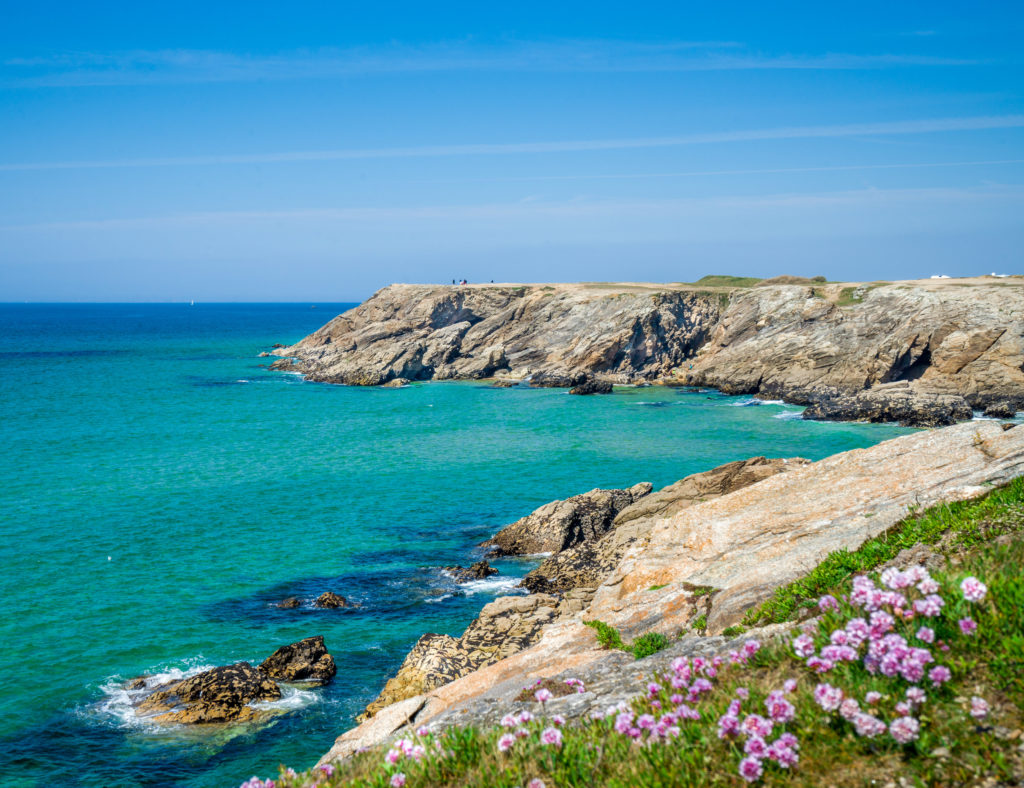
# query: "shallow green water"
[[161, 490]]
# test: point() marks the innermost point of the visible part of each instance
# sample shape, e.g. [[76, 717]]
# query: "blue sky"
[[318, 151]]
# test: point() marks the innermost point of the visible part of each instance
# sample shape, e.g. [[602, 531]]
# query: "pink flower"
[[828, 697], [827, 602], [979, 708], [867, 725], [789, 685], [543, 695], [558, 719], [645, 721], [973, 589], [779, 709], [849, 709], [536, 782], [902, 708], [742, 692], [728, 725], [525, 717], [916, 695], [422, 730], [393, 756], [521, 733], [506, 741], [784, 755], [750, 769], [819, 665], [756, 747], [397, 780], [751, 647], [873, 697], [926, 634], [904, 729], [327, 769], [968, 625], [509, 721], [756, 725], [551, 737], [939, 674]]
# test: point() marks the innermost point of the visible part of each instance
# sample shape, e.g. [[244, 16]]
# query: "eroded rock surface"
[[306, 660], [330, 600], [558, 525], [909, 405], [588, 564], [478, 571], [505, 626]]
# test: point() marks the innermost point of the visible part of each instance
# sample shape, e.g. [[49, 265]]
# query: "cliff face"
[[446, 333], [919, 352]]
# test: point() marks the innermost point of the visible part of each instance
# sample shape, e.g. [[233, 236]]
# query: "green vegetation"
[[645, 645], [734, 631], [723, 280], [961, 524], [968, 725], [657, 587], [700, 623]]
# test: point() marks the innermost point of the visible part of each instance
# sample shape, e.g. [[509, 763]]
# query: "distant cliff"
[[922, 352]]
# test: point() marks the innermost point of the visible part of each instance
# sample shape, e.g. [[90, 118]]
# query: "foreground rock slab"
[[742, 545]]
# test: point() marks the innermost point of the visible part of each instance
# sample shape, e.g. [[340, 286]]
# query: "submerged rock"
[[284, 365], [306, 660], [504, 384], [330, 600], [562, 524], [478, 571], [395, 383], [289, 604]]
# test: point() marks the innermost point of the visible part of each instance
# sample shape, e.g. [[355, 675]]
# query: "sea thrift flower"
[[521, 733], [728, 725], [756, 725], [849, 709], [979, 708], [828, 697], [902, 708], [536, 782], [784, 756], [397, 780], [779, 709], [873, 697], [750, 769], [751, 647], [930, 606], [645, 721], [543, 695], [509, 721], [789, 685], [819, 665], [904, 729], [756, 747], [968, 625], [827, 602], [926, 634], [743, 692], [506, 741], [939, 674], [525, 717], [973, 589], [916, 695], [576, 684], [868, 726], [327, 769], [393, 756], [558, 719]]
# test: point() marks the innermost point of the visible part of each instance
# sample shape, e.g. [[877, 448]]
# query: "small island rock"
[[330, 600], [306, 660]]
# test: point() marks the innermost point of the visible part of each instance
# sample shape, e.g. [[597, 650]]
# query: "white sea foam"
[[789, 415], [746, 403], [441, 598], [292, 698], [772, 402], [494, 585], [118, 702]]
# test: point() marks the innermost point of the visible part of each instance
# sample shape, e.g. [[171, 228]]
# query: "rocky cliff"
[[702, 554], [923, 352]]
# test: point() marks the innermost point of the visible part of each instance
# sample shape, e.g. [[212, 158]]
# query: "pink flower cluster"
[[256, 782], [756, 730], [576, 684]]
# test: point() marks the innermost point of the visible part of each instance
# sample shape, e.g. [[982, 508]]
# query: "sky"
[[247, 151]]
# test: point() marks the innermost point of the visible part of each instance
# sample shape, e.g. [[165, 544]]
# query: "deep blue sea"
[[160, 490]]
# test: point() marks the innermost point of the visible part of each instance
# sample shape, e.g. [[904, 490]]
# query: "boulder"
[[284, 365], [213, 696], [592, 386], [478, 571], [306, 660], [503, 383], [395, 383], [330, 600], [561, 524], [558, 380], [289, 604]]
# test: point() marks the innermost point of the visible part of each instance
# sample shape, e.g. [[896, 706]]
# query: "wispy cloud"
[[155, 67], [564, 209], [926, 126]]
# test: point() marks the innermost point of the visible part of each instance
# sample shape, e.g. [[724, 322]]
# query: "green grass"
[[962, 524], [645, 645], [657, 587], [722, 280], [952, 748]]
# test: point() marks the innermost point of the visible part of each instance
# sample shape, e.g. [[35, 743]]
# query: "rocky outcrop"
[[330, 600], [743, 545], [561, 524], [306, 660], [805, 343], [505, 626], [587, 565], [478, 571], [227, 693], [217, 695], [892, 402]]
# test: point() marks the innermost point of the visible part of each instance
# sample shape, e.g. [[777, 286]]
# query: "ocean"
[[162, 490]]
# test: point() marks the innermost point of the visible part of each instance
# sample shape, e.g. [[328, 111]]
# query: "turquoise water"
[[161, 490]]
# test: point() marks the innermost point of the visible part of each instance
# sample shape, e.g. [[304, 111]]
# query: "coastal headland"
[[921, 352]]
